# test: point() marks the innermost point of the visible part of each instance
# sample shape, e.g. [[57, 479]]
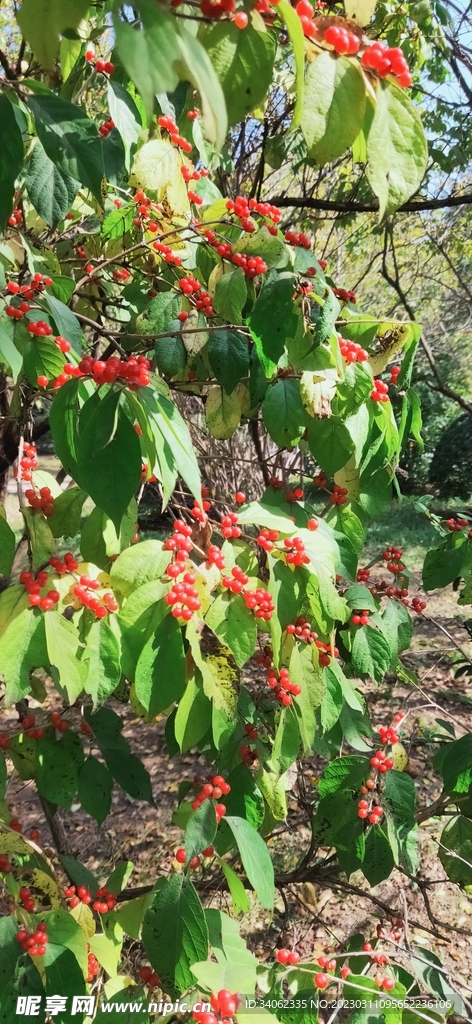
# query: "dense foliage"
[[150, 308]]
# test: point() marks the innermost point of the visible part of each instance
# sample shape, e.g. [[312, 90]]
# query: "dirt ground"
[[315, 919]]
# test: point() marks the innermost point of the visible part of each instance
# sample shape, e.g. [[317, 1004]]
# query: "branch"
[[414, 206]]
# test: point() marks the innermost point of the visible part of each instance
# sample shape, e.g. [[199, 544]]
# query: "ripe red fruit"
[[282, 956], [240, 497], [321, 980], [145, 973], [241, 19], [181, 855]]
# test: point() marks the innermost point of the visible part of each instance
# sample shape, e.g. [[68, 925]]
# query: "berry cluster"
[[133, 371], [291, 237], [282, 686], [338, 495], [214, 9], [362, 575], [379, 392], [251, 265], [214, 789], [296, 554], [170, 126], [302, 630], [194, 863], [34, 944], [372, 812], [216, 557], [342, 40], [325, 962], [76, 895], [183, 597], [456, 525], [181, 544], [42, 501], [228, 525], [93, 967], [58, 722], [29, 291], [147, 975], [393, 555], [325, 653], [106, 128], [236, 581], [34, 587], [285, 956], [121, 274], [15, 219], [360, 618], [418, 605], [248, 756], [344, 295], [104, 900], [28, 462], [352, 352], [320, 480], [387, 60], [243, 209], [295, 495], [26, 900], [259, 602], [5, 866], [266, 538], [104, 67], [68, 565], [84, 591], [166, 252], [394, 374]]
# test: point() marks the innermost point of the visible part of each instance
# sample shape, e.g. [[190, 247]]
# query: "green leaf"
[[255, 859], [11, 157], [456, 768], [101, 659], [56, 773], [71, 140], [399, 800], [230, 296], [126, 117], [226, 942], [160, 671], [22, 649], [100, 542], [9, 354], [42, 356], [65, 520], [107, 728], [162, 52], [274, 319], [244, 64], [138, 565], [443, 565], [50, 189], [65, 322], [62, 642], [330, 443], [63, 418], [200, 830], [378, 861], [95, 785], [353, 390], [345, 773], [228, 355], [109, 456], [456, 858], [7, 547], [193, 716], [286, 741], [397, 150], [370, 653], [160, 314], [239, 897], [334, 106], [64, 975], [175, 933], [222, 413], [43, 21], [283, 412], [129, 772], [360, 597], [235, 625], [171, 354], [297, 39], [168, 423]]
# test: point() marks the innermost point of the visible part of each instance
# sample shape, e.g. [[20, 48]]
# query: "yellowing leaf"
[[399, 757], [222, 413], [157, 169]]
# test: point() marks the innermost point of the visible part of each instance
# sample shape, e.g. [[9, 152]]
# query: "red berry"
[[241, 19], [181, 855]]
